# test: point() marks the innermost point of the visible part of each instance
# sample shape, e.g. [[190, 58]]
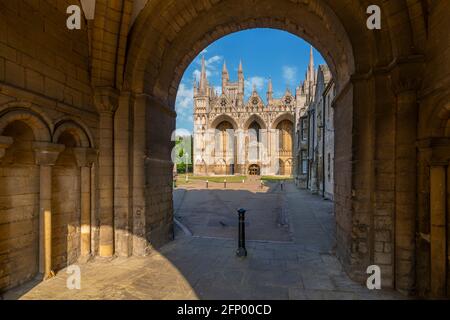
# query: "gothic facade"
[[234, 135]]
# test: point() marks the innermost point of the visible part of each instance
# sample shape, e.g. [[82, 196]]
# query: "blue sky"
[[265, 53]]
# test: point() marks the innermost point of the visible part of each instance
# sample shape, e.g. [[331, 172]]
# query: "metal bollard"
[[206, 184], [241, 251], [281, 185], [225, 183]]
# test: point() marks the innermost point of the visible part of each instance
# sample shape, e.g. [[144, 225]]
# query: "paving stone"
[[207, 268]]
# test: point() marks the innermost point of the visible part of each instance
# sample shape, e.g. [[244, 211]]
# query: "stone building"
[[234, 135], [315, 134], [91, 112]]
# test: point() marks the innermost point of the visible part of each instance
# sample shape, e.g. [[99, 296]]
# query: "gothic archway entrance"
[[254, 170], [374, 75], [128, 67]]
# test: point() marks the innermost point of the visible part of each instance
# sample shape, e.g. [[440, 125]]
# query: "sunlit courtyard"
[[290, 252]]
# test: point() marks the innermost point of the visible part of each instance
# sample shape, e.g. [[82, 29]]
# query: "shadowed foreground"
[[193, 267]]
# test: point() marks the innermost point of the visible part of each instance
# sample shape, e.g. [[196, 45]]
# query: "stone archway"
[[433, 216], [349, 54], [391, 115], [375, 72], [224, 150], [66, 196], [285, 133], [72, 191]]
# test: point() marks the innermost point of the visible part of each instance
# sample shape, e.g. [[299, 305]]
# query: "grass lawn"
[[276, 178], [230, 179]]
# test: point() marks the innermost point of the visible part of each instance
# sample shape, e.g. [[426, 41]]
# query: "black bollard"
[[225, 183], [241, 251], [206, 184], [281, 185]]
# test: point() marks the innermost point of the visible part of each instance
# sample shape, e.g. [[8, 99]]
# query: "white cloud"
[[290, 75], [185, 99], [211, 61], [212, 66], [196, 74], [256, 81]]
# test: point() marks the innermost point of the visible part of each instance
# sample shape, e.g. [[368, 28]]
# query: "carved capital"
[[5, 143], [85, 157], [406, 74], [47, 153], [106, 99]]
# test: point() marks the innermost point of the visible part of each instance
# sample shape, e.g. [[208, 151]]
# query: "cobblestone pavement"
[[194, 267]]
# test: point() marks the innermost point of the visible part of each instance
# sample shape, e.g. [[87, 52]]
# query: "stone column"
[[438, 203], [46, 155], [406, 81], [106, 101], [85, 159]]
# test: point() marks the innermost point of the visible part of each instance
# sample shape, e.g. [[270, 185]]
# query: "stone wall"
[[19, 209], [343, 184], [434, 112], [44, 88], [66, 220], [160, 123]]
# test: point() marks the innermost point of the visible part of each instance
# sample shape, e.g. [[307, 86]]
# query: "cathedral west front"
[[87, 116], [235, 135]]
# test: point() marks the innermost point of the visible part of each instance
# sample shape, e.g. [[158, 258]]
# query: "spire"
[[269, 91], [254, 87], [225, 77], [203, 80], [194, 85], [310, 72], [203, 65], [224, 68], [240, 82]]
